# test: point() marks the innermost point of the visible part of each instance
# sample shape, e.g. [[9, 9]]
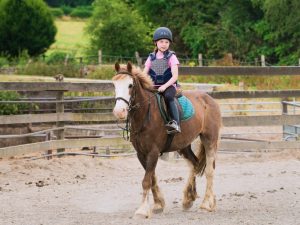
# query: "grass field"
[[70, 36]]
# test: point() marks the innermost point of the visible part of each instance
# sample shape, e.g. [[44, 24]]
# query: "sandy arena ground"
[[250, 189]]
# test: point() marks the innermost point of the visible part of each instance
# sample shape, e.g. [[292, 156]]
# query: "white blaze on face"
[[122, 90]]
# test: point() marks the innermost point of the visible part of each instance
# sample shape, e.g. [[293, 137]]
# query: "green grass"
[[70, 36]]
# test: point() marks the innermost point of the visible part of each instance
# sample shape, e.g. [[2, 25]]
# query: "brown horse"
[[135, 101]]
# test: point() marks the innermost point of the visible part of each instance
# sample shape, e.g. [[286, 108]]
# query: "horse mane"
[[144, 79]]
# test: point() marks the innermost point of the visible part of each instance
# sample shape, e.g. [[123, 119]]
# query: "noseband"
[[123, 99]]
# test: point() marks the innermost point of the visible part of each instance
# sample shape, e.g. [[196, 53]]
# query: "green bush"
[[11, 108], [43, 69], [3, 61], [103, 72], [66, 9], [57, 12], [82, 12], [28, 25], [59, 57]]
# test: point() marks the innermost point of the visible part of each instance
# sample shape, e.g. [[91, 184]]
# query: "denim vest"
[[160, 71]]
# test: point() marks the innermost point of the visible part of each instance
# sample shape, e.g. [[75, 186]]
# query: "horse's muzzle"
[[121, 113]]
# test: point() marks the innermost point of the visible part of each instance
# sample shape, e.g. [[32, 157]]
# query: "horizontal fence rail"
[[118, 141], [240, 70], [108, 86], [93, 86], [230, 121]]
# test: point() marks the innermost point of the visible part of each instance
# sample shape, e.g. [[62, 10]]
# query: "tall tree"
[[117, 29], [25, 26], [189, 21], [281, 30]]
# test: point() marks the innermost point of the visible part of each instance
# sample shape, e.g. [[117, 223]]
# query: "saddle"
[[184, 105]]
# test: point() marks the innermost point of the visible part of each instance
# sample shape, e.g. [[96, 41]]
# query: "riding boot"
[[173, 126]]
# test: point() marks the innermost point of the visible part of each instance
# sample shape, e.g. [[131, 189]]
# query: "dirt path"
[[250, 189]]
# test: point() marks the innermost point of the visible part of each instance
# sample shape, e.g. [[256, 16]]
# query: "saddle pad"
[[187, 107]]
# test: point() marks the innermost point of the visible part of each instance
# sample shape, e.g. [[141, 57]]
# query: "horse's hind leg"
[[190, 192], [209, 202]]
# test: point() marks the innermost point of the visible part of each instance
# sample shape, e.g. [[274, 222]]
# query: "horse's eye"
[[130, 86]]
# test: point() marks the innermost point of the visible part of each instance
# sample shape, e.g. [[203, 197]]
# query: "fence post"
[[60, 109], [138, 59], [107, 150], [48, 152], [263, 60], [230, 58], [284, 106], [66, 59], [299, 62], [200, 59], [100, 57], [284, 112]]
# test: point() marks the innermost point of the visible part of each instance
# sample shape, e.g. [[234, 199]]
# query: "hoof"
[[205, 207], [187, 205], [142, 214], [209, 206], [157, 209]]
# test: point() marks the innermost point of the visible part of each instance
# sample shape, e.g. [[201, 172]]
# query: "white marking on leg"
[[144, 210], [209, 202]]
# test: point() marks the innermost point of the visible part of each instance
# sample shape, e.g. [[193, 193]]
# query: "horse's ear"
[[129, 67], [117, 67]]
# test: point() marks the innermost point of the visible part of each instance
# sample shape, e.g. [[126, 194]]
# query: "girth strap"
[[168, 143]]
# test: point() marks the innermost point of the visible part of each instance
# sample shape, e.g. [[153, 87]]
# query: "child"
[[162, 66]]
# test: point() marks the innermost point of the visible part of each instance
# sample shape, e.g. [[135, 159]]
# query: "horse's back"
[[200, 97], [205, 107]]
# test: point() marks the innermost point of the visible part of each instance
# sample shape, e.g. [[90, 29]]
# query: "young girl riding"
[[162, 66]]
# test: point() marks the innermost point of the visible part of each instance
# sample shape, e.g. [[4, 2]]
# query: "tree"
[[117, 30], [246, 28], [189, 20], [25, 26], [280, 30]]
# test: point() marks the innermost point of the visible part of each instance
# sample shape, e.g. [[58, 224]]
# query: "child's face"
[[163, 44]]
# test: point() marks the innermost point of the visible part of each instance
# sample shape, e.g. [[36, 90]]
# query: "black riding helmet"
[[162, 33]]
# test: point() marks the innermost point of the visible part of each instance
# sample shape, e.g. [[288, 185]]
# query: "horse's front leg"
[[159, 202], [149, 165]]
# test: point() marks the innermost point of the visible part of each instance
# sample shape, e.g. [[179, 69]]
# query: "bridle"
[[132, 107], [127, 127]]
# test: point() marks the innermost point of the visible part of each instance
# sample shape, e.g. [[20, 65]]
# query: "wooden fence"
[[60, 118]]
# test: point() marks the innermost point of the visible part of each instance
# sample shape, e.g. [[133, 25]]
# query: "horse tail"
[[201, 160]]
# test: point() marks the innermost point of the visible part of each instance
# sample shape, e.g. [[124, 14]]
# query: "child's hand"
[[162, 88]]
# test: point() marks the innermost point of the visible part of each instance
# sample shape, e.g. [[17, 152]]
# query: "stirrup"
[[173, 127]]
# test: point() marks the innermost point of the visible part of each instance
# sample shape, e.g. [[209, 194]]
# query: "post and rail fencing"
[[61, 119]]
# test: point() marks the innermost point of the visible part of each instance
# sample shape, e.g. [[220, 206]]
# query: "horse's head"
[[123, 82], [128, 81]]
